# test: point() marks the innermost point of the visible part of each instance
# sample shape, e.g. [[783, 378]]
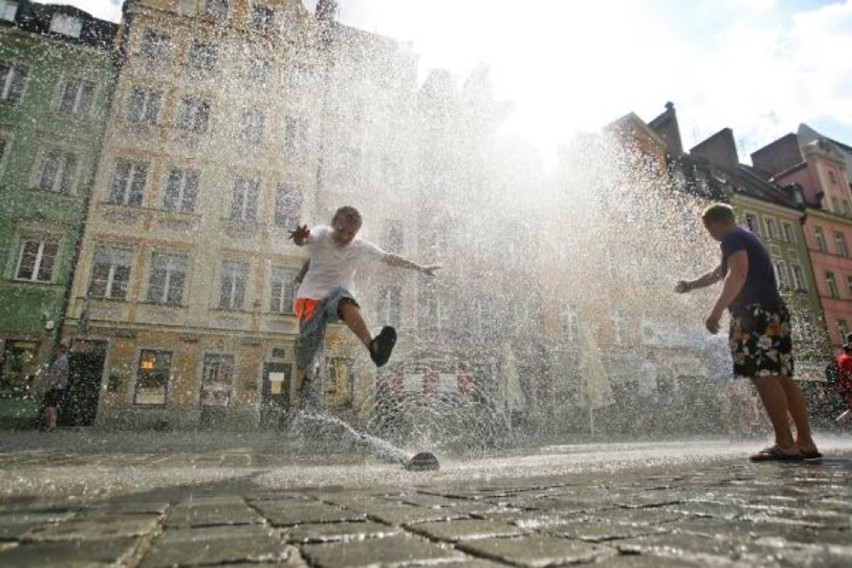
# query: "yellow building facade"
[[181, 304]]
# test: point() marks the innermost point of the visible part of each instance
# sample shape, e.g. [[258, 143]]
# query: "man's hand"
[[300, 235], [682, 286], [430, 270], [712, 322]]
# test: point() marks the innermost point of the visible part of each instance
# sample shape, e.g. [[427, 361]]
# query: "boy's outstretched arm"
[[396, 260], [300, 235], [701, 282]]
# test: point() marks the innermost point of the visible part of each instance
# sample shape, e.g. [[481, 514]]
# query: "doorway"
[[86, 361], [275, 396]]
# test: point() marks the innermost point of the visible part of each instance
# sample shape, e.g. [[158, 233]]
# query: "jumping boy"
[[759, 335], [324, 296]]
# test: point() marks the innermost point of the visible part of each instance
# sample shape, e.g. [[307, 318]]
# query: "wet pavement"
[[89, 498]]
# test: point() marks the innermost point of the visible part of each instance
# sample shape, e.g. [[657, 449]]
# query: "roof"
[[37, 18]]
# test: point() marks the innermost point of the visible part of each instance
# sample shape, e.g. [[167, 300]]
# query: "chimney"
[[326, 10], [667, 128], [720, 150]]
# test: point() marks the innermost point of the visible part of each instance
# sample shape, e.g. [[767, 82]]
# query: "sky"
[[759, 67]]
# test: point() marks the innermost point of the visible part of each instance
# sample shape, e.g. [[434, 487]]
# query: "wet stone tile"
[[260, 548], [536, 550], [126, 507], [214, 534], [338, 532], [399, 515], [718, 550], [101, 529], [602, 531], [286, 515], [210, 515], [650, 516], [102, 552], [465, 529], [392, 551]]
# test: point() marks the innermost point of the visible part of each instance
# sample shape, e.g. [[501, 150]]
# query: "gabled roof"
[[36, 18]]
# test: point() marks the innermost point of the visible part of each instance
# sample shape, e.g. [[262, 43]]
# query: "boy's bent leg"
[[350, 313], [775, 403], [798, 408]]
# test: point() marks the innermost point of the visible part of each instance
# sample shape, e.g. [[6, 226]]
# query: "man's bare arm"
[[702, 281], [396, 260]]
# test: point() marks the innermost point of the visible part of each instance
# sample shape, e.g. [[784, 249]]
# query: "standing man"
[[759, 336], [55, 394]]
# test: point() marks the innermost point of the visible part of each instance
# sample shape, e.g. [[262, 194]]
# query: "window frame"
[[114, 254], [42, 240], [177, 260], [8, 83], [139, 371], [282, 279], [129, 196], [61, 176], [230, 273], [80, 85]]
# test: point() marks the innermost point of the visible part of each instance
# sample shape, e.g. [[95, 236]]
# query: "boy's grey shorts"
[[312, 332]]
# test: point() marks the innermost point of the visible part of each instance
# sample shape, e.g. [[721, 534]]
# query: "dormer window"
[[217, 8], [8, 10], [66, 25]]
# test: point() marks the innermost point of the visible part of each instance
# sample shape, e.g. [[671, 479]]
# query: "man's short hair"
[[719, 213], [347, 213], [849, 338]]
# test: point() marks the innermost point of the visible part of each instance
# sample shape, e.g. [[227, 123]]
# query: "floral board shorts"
[[313, 322], [760, 341]]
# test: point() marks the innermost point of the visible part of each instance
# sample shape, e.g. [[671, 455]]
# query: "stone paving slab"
[[719, 513]]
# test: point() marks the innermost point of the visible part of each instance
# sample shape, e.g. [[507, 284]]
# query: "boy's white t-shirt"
[[333, 266]]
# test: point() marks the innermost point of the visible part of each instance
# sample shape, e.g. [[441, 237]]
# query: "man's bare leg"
[[798, 408], [351, 315], [775, 402]]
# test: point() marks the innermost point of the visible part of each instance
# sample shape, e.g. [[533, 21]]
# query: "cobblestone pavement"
[[89, 499]]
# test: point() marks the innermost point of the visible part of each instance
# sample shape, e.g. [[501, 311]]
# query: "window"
[[262, 17], [771, 232], [156, 45], [36, 260], [840, 242], [843, 327], [181, 190], [752, 223], [569, 322], [789, 233], [168, 278], [244, 199], [832, 177], [217, 373], [389, 306], [295, 134], [260, 71], [4, 143], [619, 323], [12, 83], [232, 290], [193, 114], [128, 183], [57, 173], [288, 206], [76, 98], [152, 376], [799, 277], [66, 25], [203, 56], [144, 105], [110, 272], [820, 239], [832, 285], [849, 285], [253, 126], [283, 289], [782, 275], [8, 10], [217, 8]]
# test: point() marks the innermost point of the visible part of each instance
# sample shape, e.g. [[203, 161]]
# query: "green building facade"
[[56, 77]]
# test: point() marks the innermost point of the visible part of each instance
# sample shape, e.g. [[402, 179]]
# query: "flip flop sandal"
[[775, 454], [382, 345], [811, 455]]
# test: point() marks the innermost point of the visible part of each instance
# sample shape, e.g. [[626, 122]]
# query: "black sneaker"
[[382, 345]]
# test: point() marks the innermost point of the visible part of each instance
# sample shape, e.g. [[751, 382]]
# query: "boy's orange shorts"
[[305, 308]]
